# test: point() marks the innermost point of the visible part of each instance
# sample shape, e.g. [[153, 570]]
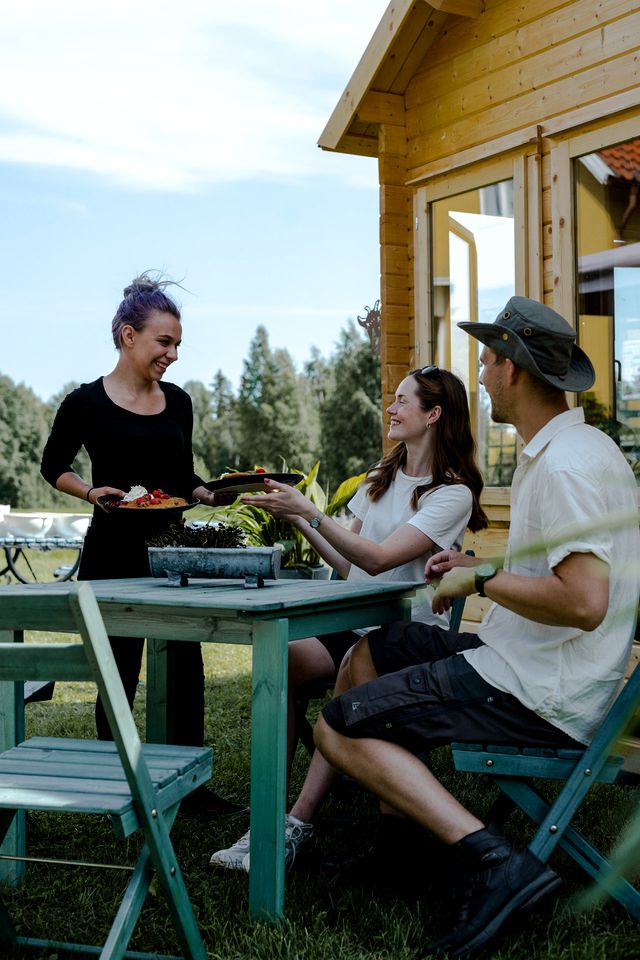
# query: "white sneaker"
[[297, 834], [232, 857]]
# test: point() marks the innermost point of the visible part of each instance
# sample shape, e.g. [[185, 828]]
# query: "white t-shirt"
[[568, 493], [442, 514]]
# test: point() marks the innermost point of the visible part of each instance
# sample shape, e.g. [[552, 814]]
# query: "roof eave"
[[362, 78], [337, 134]]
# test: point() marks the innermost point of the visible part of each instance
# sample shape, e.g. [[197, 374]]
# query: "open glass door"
[[473, 276]]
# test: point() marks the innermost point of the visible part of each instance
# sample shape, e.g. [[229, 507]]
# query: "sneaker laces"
[[294, 839], [243, 842]]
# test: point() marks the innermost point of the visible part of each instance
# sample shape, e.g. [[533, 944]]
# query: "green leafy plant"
[[263, 530]]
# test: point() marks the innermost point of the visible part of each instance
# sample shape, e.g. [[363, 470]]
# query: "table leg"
[[11, 730], [268, 768], [157, 713]]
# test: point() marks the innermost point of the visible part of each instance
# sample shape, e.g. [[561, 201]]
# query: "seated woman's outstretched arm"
[[404, 544]]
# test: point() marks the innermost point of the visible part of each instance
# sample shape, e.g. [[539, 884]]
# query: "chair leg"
[[130, 906], [170, 877], [573, 842], [124, 923]]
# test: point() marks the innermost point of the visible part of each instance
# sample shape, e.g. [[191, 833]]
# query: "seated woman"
[[418, 500]]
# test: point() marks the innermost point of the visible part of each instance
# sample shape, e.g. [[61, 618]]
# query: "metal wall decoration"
[[371, 323]]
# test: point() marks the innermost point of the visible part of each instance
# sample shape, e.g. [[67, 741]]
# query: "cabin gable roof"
[[374, 93]]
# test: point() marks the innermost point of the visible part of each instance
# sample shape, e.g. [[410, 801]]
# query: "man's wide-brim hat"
[[538, 339]]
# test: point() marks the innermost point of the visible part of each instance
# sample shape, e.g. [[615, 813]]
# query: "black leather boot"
[[498, 881]]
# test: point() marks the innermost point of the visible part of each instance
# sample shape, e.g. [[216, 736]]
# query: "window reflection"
[[608, 256], [473, 276]]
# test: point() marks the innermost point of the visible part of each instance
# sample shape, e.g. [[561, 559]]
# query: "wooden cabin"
[[507, 136]]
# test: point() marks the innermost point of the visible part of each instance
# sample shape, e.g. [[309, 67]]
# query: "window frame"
[[527, 237], [564, 150], [524, 168]]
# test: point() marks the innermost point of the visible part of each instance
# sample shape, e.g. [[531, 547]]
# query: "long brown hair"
[[453, 447]]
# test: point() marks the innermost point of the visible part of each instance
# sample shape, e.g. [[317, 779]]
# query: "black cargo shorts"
[[427, 695]]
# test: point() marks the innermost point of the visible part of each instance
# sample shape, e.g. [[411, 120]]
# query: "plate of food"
[[250, 481], [140, 500]]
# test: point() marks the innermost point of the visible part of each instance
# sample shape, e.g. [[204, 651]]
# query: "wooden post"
[[397, 345]]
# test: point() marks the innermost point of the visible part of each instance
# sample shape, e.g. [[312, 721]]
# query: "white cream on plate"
[[134, 493]]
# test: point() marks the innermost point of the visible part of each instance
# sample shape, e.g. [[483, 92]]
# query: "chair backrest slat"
[[44, 661], [32, 610]]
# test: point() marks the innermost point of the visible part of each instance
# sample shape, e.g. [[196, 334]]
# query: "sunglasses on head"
[[432, 368]]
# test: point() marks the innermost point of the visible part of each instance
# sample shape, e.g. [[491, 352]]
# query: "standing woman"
[[422, 494], [136, 430]]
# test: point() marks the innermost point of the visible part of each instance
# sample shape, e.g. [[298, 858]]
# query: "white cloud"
[[173, 96]]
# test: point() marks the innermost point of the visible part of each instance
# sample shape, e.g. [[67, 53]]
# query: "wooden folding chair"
[[514, 770], [139, 787]]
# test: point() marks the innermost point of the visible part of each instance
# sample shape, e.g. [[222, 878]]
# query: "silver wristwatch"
[[315, 523]]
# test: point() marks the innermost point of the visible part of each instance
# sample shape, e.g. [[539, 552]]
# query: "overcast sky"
[[140, 135]]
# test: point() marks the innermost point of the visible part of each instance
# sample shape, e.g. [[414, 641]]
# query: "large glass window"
[[473, 276], [608, 256]]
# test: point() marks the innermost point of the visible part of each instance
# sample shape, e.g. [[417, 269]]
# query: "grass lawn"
[[325, 917]]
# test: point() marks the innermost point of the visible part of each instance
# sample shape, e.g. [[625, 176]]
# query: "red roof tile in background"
[[623, 160]]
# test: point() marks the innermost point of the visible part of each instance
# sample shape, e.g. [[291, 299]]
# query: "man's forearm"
[[553, 600]]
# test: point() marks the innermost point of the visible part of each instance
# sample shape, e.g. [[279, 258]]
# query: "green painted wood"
[[133, 899], [360, 615], [515, 764], [41, 661], [225, 612], [268, 769], [68, 785], [51, 604], [39, 944], [575, 844], [156, 690], [579, 770], [12, 730], [155, 751]]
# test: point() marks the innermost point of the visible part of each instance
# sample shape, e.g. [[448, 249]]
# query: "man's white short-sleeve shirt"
[[573, 492]]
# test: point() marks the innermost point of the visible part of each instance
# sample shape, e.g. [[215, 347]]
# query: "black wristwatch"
[[484, 572]]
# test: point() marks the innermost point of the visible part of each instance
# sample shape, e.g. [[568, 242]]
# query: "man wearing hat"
[[550, 653]]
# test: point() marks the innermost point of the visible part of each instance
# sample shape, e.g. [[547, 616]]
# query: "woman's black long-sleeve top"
[[125, 449]]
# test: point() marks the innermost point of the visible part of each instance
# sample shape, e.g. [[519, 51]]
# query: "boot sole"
[[523, 902]]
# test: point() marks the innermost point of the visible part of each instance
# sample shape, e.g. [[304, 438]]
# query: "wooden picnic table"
[[224, 611]]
